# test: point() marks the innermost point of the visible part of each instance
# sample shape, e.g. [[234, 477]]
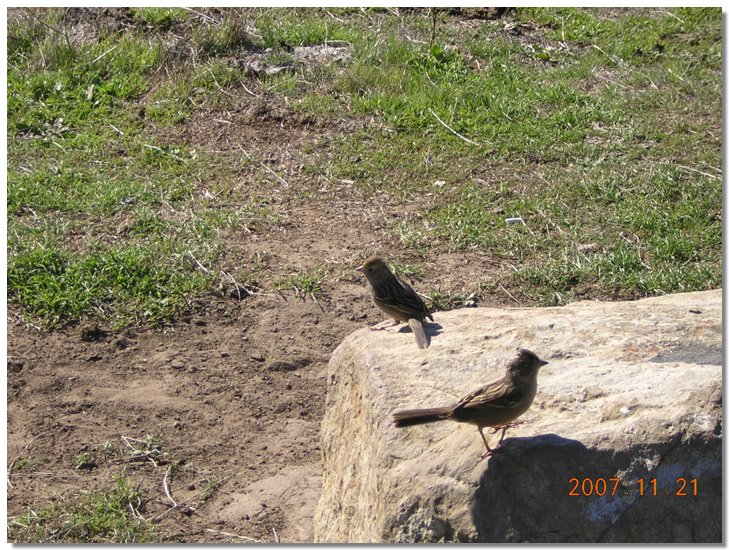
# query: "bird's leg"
[[383, 326], [489, 450], [504, 427]]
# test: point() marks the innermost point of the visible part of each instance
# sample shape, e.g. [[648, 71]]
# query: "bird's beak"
[[542, 362], [360, 268]]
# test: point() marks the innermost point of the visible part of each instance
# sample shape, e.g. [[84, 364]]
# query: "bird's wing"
[[400, 296], [416, 296], [498, 395]]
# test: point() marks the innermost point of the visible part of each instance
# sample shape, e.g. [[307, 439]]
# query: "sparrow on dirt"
[[494, 405], [396, 298]]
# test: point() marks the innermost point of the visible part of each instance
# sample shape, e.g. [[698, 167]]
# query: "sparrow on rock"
[[396, 298]]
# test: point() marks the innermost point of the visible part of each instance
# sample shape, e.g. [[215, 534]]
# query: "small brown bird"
[[495, 405], [396, 298]]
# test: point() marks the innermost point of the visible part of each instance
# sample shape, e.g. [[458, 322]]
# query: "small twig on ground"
[[275, 535], [464, 138], [672, 15], [509, 294], [237, 285], [203, 16], [622, 63], [105, 53], [638, 249], [313, 297], [28, 323], [241, 537], [712, 176], [246, 153], [22, 451], [61, 147], [136, 513], [140, 454], [62, 33], [247, 90], [198, 264], [215, 81], [330, 14], [154, 147], [167, 488]]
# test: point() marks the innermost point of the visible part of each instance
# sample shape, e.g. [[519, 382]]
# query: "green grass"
[[599, 128], [160, 18], [125, 285], [90, 517], [304, 282]]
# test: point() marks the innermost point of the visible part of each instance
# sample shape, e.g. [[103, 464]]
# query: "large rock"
[[632, 392]]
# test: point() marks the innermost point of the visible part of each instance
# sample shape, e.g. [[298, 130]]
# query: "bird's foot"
[[384, 326], [490, 452], [506, 426]]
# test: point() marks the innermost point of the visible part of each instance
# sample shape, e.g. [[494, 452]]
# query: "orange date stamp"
[[601, 486]]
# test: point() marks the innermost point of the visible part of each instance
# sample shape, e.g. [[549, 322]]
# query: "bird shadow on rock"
[[545, 489], [430, 329]]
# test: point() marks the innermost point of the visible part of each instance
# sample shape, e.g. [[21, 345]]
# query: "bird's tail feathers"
[[413, 417], [420, 337]]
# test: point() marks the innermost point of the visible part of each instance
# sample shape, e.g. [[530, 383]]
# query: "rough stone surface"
[[632, 391]]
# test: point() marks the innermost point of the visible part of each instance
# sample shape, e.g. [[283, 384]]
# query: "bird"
[[496, 405], [396, 298]]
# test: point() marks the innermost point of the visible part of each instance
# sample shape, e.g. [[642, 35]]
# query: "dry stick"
[[143, 454], [509, 294], [167, 489], [61, 147], [165, 152], [709, 166], [692, 170], [464, 138], [178, 505], [275, 536], [28, 323], [25, 448], [238, 286], [241, 537], [136, 513], [206, 17], [198, 264], [672, 15], [106, 52], [215, 80], [330, 14], [247, 90], [618, 61], [63, 33], [266, 167], [317, 302]]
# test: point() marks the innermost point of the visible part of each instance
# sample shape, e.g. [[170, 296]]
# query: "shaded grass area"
[[599, 128]]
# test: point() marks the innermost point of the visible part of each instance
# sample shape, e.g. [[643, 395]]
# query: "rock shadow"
[[546, 489]]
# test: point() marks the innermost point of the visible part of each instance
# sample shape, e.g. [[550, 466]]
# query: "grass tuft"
[[112, 516]]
